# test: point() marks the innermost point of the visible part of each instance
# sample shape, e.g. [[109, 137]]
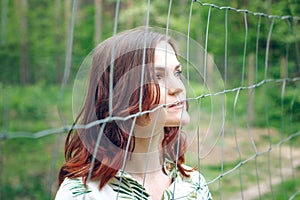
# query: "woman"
[[147, 87]]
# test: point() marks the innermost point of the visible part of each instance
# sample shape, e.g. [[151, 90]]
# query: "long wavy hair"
[[127, 50]]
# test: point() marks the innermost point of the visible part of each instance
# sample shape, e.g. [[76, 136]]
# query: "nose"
[[175, 86]]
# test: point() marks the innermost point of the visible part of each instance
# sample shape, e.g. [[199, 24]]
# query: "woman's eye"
[[159, 76], [178, 73]]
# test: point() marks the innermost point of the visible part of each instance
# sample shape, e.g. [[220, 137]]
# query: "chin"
[[178, 121]]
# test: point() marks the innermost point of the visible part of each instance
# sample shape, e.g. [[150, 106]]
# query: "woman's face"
[[172, 90]]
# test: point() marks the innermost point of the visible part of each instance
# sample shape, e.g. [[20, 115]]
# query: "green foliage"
[[48, 28], [30, 109], [270, 109]]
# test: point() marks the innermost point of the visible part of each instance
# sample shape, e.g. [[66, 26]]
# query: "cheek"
[[162, 98]]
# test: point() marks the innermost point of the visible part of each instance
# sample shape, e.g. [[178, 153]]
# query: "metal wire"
[[284, 81]]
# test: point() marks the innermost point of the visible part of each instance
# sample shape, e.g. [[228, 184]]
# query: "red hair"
[[80, 143]]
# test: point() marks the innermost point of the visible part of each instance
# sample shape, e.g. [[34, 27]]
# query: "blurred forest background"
[[34, 35]]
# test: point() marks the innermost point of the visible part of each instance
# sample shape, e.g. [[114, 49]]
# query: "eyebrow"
[[162, 67]]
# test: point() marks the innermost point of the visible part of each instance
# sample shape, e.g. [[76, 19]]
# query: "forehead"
[[165, 54]]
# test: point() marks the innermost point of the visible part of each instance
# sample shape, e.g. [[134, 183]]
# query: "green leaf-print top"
[[124, 187]]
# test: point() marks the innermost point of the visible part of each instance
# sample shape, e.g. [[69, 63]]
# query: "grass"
[[286, 190], [27, 166]]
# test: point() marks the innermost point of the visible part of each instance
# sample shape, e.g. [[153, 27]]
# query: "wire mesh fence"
[[243, 94]]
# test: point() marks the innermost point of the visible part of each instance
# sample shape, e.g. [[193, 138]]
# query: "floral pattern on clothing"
[[124, 186], [185, 188], [128, 188], [76, 187]]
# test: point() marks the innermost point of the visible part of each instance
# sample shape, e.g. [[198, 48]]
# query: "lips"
[[176, 105]]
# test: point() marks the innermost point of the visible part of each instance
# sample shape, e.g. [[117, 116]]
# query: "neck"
[[147, 155]]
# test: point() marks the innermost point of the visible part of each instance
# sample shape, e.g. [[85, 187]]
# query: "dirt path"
[[252, 192]]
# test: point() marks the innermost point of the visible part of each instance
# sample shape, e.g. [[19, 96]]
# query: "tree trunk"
[[129, 23], [297, 60], [68, 11], [4, 21], [183, 7], [24, 42], [250, 110], [98, 21], [283, 67], [209, 69], [58, 40]]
